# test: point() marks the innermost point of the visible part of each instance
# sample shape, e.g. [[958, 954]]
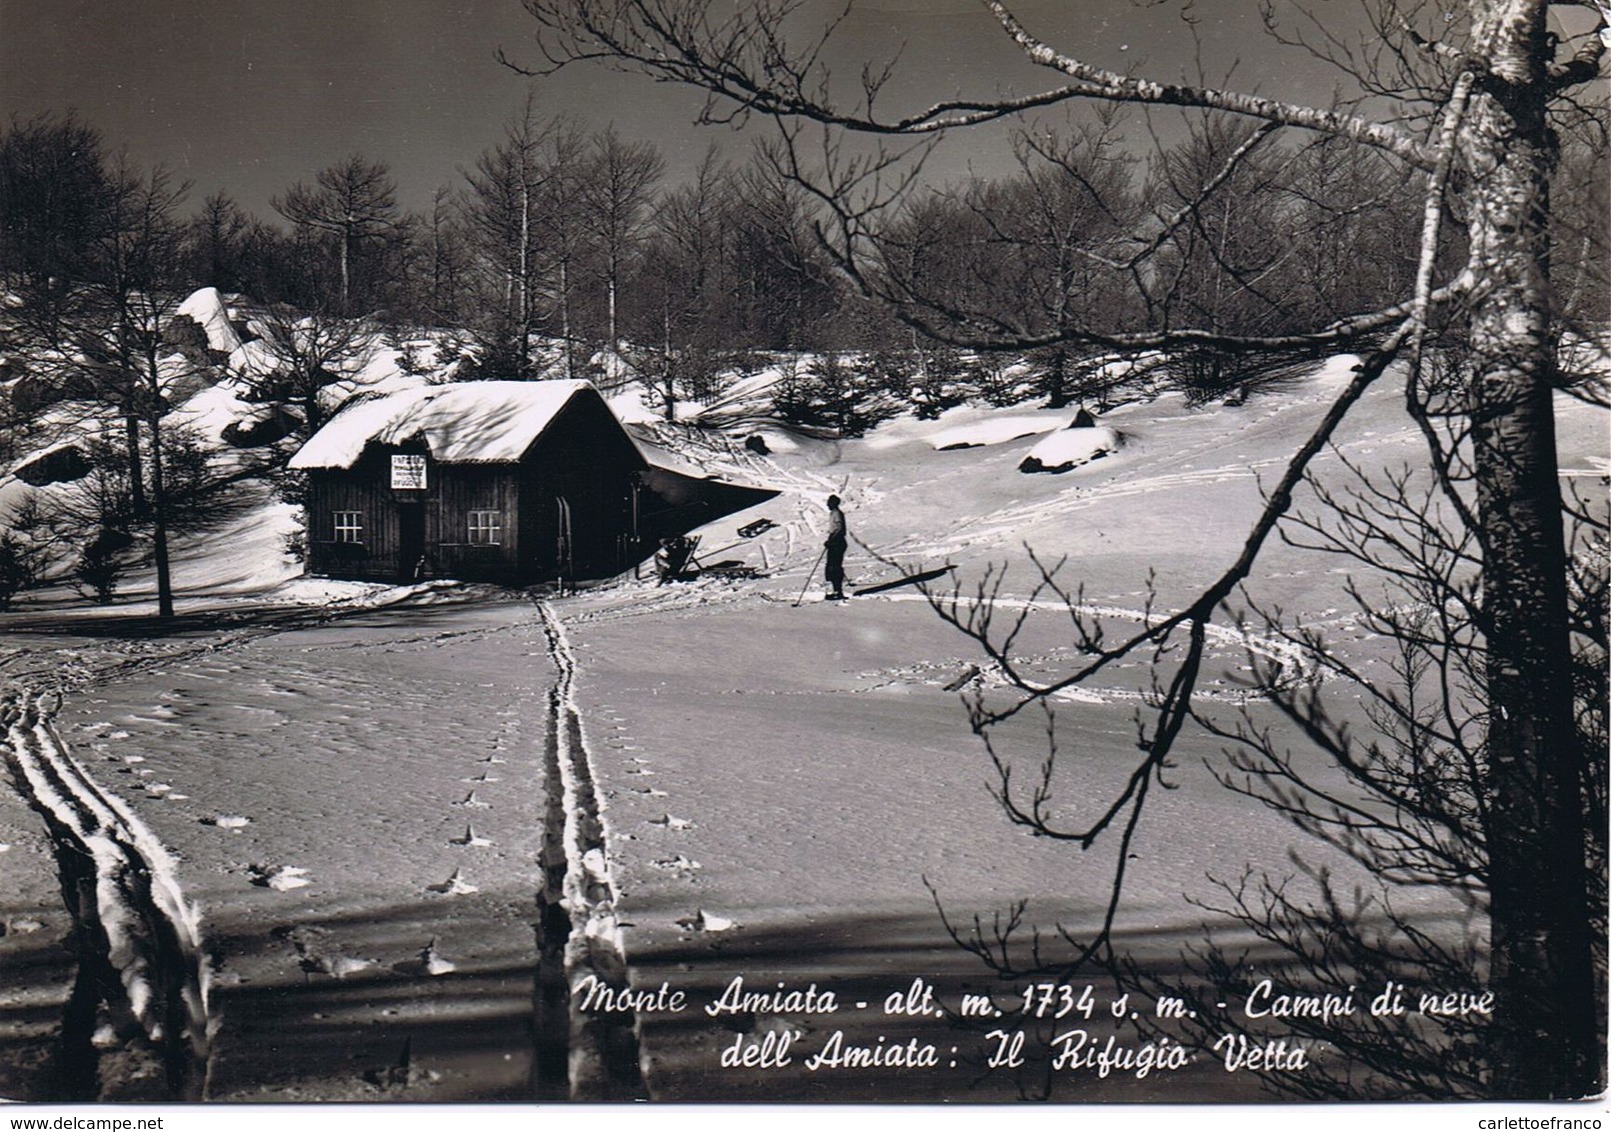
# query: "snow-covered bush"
[[846, 394], [999, 380], [1206, 375], [25, 556], [291, 487], [940, 381]]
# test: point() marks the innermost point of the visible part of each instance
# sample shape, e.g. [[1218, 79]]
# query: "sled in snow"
[[909, 580], [747, 531], [732, 568]]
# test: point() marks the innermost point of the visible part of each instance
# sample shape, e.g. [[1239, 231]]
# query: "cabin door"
[[411, 541]]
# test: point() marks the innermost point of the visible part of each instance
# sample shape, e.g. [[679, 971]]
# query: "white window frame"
[[484, 526], [348, 526]]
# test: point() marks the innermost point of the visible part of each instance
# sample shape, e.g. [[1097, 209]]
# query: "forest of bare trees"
[[558, 241]]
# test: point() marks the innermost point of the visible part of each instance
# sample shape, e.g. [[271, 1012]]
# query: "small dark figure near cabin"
[[833, 569]]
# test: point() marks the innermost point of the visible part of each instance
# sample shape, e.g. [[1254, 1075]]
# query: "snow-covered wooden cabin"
[[510, 482]]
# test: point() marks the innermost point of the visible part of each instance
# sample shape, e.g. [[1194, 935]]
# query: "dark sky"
[[251, 96]]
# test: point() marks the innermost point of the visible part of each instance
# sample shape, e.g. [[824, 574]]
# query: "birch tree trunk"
[[1544, 1035]]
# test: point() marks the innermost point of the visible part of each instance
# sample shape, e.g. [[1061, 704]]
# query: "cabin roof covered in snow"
[[473, 422]]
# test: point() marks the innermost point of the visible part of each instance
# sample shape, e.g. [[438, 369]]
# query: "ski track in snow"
[[133, 917], [1295, 663], [284, 707], [602, 1057], [1292, 663]]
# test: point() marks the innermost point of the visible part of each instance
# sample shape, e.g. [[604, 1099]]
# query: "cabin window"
[[349, 526], [486, 528]]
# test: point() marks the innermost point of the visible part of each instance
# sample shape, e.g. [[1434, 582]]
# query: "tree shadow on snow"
[[137, 625]]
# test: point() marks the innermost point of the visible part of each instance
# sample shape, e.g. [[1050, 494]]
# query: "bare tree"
[[52, 186], [1352, 228], [307, 353], [1470, 106], [502, 208], [561, 232], [620, 181], [681, 278], [447, 285], [216, 240], [140, 261], [1039, 250], [785, 285], [101, 341], [1403, 790], [354, 201]]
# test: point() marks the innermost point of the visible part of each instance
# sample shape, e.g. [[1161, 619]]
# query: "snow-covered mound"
[[206, 308], [996, 429], [1063, 451], [967, 426]]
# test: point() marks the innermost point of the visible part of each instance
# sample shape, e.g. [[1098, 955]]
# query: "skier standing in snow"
[[833, 569]]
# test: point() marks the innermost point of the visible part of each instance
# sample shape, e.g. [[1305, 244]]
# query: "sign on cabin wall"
[[408, 472]]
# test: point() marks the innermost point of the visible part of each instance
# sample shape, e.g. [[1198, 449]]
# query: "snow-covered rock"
[[996, 429], [253, 360], [206, 308], [60, 463], [1068, 449]]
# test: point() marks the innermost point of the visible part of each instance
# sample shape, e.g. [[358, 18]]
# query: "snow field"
[[816, 803], [800, 773], [378, 895]]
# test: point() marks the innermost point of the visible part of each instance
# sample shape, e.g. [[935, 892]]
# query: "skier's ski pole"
[[811, 573]]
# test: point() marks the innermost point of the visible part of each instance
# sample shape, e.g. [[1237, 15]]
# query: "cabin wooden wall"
[[462, 488], [587, 459], [453, 492], [355, 490]]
